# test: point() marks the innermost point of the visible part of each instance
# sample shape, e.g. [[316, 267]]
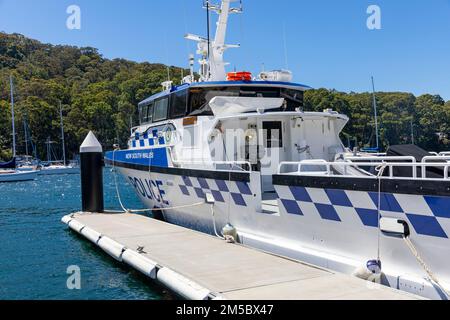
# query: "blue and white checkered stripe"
[[238, 191], [148, 139], [428, 215]]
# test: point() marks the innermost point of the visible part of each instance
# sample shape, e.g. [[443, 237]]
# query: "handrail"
[[381, 158], [389, 165], [215, 164], [429, 158], [299, 164]]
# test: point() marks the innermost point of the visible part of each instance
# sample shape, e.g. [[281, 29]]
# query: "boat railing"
[[325, 168], [234, 165], [444, 154], [382, 158]]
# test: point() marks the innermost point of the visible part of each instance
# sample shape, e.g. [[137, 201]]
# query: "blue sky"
[[328, 43]]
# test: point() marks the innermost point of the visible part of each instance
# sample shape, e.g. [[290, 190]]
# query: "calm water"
[[36, 248]]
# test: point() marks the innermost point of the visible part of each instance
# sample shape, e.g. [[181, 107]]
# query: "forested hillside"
[[101, 95], [96, 93], [401, 116]]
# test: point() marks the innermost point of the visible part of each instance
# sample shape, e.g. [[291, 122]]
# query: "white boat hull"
[[343, 245], [17, 176], [59, 171]]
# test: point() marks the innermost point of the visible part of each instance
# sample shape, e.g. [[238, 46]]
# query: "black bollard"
[[91, 156]]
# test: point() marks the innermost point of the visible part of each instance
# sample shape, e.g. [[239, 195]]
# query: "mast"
[[48, 149], [26, 136], [376, 115], [62, 133], [12, 116], [212, 65]]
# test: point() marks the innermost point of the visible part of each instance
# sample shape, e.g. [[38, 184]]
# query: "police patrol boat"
[[237, 156]]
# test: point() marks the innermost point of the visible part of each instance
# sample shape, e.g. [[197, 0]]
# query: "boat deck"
[[198, 266]]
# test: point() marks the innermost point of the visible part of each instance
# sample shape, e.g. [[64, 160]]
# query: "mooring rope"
[[424, 265], [380, 170], [214, 223]]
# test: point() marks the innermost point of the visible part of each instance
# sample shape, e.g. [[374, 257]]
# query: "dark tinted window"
[[178, 104], [146, 113], [142, 111], [259, 92], [273, 134], [149, 116], [200, 97], [160, 109], [294, 98]]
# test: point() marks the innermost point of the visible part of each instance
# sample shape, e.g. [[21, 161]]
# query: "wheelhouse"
[[193, 100]]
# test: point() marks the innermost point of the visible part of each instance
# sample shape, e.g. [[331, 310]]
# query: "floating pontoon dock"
[[200, 267]]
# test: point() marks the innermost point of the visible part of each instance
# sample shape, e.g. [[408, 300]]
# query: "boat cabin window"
[[195, 101], [178, 104], [294, 98], [200, 97], [146, 113], [160, 109], [142, 111], [149, 115]]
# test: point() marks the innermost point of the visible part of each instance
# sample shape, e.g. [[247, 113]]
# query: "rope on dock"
[[424, 265]]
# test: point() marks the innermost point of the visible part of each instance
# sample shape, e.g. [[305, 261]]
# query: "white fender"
[[181, 285], [111, 247], [90, 234], [76, 226], [66, 219], [140, 263]]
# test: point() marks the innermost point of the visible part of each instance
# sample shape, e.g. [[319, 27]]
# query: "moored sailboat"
[[57, 167], [8, 170]]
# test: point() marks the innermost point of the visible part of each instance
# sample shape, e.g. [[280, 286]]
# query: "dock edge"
[[167, 277]]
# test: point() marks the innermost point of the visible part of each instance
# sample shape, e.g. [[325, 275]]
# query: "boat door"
[[272, 141]]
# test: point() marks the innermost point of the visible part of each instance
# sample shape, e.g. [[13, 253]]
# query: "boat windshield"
[[195, 101], [199, 98]]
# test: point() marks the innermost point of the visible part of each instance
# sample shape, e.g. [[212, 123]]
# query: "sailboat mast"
[[12, 116], [26, 136], [62, 133], [376, 115], [48, 150]]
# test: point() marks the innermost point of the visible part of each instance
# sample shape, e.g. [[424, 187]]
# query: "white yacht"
[[235, 152]]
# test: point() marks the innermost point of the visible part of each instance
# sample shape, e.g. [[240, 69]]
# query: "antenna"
[[167, 85], [191, 66], [285, 46], [376, 115], [212, 66], [208, 31]]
